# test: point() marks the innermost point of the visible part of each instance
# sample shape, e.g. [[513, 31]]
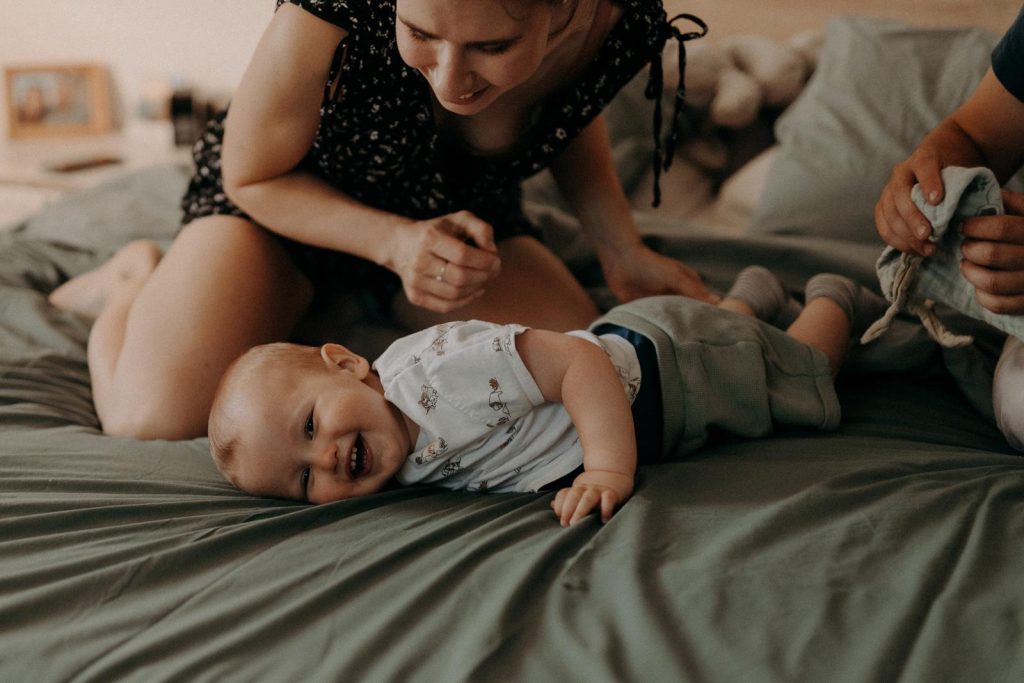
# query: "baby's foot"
[[861, 305], [88, 293], [766, 296]]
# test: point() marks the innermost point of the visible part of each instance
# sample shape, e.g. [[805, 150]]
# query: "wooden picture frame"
[[57, 100]]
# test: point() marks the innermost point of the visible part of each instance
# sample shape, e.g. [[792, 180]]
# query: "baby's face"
[[317, 435]]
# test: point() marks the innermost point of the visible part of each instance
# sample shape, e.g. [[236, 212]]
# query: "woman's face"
[[473, 51]]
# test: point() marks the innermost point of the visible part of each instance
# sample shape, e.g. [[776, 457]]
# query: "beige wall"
[[784, 18], [208, 42], [144, 42]]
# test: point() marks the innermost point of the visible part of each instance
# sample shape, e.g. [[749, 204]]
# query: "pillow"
[[879, 87], [137, 204]]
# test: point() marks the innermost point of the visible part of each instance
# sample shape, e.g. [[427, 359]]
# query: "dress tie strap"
[[655, 88]]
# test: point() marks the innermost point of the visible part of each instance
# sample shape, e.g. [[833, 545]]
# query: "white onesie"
[[484, 425]]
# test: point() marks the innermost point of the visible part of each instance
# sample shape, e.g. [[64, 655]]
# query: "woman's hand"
[[993, 252], [591, 490], [445, 262], [898, 220], [643, 272]]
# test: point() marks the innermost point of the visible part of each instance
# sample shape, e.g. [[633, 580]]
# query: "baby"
[[486, 407]]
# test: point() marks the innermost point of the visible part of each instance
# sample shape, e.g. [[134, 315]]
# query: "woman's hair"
[[510, 5]]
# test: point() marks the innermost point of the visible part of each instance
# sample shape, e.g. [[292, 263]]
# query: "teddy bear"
[[734, 90], [739, 76]]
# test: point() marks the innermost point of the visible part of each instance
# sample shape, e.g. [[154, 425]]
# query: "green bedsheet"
[[890, 549]]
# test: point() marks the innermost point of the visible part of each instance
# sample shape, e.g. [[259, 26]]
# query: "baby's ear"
[[338, 356]]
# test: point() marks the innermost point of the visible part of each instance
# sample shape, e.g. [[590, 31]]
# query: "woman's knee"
[[237, 251], [220, 290]]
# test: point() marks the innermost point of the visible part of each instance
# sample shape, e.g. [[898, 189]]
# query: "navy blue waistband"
[[647, 410], [647, 417]]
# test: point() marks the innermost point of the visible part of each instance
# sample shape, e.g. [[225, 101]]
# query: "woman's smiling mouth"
[[468, 98]]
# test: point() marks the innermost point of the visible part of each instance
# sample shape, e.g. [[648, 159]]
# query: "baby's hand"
[[591, 489]]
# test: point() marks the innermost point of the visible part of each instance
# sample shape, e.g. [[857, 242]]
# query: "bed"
[[890, 549]]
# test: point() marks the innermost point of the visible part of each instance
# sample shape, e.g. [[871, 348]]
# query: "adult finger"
[[996, 282], [461, 277], [455, 250], [468, 226], [897, 230], [698, 290], [444, 289], [689, 283], [1008, 229], [1007, 305], [926, 167], [907, 219], [448, 280], [432, 302], [993, 255], [1013, 203], [890, 225]]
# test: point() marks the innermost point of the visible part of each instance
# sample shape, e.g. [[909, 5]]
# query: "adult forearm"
[[304, 208], [952, 146], [985, 130], [586, 177]]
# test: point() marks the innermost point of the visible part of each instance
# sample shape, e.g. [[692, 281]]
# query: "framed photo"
[[54, 100]]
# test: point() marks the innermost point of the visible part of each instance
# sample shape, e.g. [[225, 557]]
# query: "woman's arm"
[[586, 176], [270, 127], [578, 374], [985, 131]]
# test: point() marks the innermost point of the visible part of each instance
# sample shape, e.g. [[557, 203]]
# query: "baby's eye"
[[304, 483], [309, 428]]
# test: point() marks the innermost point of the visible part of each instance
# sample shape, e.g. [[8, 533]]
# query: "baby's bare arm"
[[580, 375]]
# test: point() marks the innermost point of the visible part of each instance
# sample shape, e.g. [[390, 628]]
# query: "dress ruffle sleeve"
[[352, 15]]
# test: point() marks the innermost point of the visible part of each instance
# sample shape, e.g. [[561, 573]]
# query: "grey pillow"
[[879, 87], [138, 204]]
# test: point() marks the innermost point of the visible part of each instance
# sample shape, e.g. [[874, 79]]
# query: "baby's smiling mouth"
[[357, 458]]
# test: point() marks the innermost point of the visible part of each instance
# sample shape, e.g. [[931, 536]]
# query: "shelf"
[[28, 181]]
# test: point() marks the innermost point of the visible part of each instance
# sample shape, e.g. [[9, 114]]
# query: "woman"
[[382, 144]]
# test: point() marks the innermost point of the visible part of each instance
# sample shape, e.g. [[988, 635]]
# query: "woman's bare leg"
[[159, 346], [106, 295], [534, 288]]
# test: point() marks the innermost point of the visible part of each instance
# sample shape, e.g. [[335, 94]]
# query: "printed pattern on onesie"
[[484, 424]]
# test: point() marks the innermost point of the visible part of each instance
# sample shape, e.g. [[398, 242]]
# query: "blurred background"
[[147, 73], [202, 47], [784, 18], [149, 48]]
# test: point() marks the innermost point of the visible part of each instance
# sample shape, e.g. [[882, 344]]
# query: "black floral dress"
[[378, 141]]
